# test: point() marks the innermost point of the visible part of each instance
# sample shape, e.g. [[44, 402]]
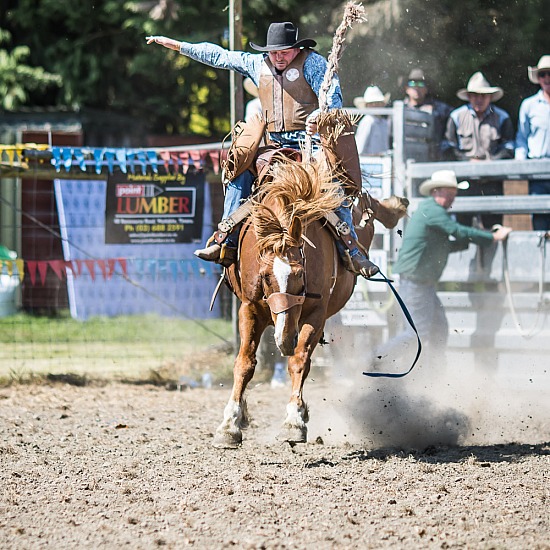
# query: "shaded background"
[[75, 55]]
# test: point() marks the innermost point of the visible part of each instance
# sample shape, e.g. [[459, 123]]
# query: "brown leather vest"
[[287, 99]]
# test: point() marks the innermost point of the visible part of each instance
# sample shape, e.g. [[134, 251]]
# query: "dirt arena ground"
[[114, 465]]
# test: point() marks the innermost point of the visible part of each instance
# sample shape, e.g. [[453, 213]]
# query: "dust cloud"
[[470, 400]]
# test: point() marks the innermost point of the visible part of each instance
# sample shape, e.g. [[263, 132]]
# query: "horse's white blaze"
[[279, 327], [294, 415], [281, 270]]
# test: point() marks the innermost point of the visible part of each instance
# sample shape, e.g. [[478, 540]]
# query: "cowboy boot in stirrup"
[[364, 266], [359, 264], [220, 247], [209, 253], [353, 258], [222, 254]]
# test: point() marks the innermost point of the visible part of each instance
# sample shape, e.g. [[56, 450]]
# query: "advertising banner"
[[154, 208], [131, 277]]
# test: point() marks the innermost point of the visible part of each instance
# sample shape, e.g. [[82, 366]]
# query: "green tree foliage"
[[98, 49], [17, 79], [91, 44]]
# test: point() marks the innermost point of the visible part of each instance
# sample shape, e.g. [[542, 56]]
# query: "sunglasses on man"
[[543, 74], [417, 84]]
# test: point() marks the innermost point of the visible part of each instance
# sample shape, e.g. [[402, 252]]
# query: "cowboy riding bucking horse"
[[289, 75]]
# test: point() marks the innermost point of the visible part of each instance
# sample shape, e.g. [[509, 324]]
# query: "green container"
[[8, 284]]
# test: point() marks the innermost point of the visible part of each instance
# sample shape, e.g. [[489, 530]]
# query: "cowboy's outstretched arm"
[[213, 55]]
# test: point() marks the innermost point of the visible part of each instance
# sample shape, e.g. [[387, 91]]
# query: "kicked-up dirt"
[[114, 465]]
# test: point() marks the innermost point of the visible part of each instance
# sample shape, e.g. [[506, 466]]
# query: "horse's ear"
[[295, 229]]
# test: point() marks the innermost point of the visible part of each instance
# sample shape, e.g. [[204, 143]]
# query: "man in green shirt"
[[430, 236]]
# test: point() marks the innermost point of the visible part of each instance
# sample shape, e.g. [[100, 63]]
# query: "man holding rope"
[[430, 236], [289, 75]]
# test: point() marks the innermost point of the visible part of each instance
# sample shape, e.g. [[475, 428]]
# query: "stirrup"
[[360, 265]]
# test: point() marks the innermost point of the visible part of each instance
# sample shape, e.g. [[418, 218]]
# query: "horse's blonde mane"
[[304, 190]]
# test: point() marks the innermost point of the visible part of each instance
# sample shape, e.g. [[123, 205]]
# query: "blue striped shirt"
[[533, 136]]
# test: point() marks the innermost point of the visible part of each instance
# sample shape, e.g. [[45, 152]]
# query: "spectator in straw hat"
[[373, 132], [430, 236], [418, 96], [533, 136], [480, 131]]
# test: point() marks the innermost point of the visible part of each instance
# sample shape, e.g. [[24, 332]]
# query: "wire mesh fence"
[[75, 299], [136, 347]]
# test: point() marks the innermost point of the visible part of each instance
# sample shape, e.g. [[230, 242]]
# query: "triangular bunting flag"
[[57, 267], [31, 267], [78, 264], [174, 158], [165, 156], [103, 267], [184, 156], [153, 161], [90, 264], [110, 267], [123, 266], [42, 269], [20, 269], [121, 160], [67, 155], [196, 158], [98, 159]]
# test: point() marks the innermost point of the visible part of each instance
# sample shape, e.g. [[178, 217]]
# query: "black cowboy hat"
[[283, 36]]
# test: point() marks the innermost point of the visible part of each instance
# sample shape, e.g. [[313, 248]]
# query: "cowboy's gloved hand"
[[500, 233]]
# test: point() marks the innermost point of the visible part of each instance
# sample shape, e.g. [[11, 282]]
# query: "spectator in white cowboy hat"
[[480, 131], [254, 106], [430, 236], [533, 136], [373, 131], [418, 96]]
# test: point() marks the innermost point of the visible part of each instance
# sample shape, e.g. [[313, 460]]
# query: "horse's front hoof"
[[227, 440], [293, 434]]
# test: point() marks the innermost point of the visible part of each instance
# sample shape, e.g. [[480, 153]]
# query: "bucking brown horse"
[[289, 275]]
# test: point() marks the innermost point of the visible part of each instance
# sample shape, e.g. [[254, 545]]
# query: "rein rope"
[[409, 318]]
